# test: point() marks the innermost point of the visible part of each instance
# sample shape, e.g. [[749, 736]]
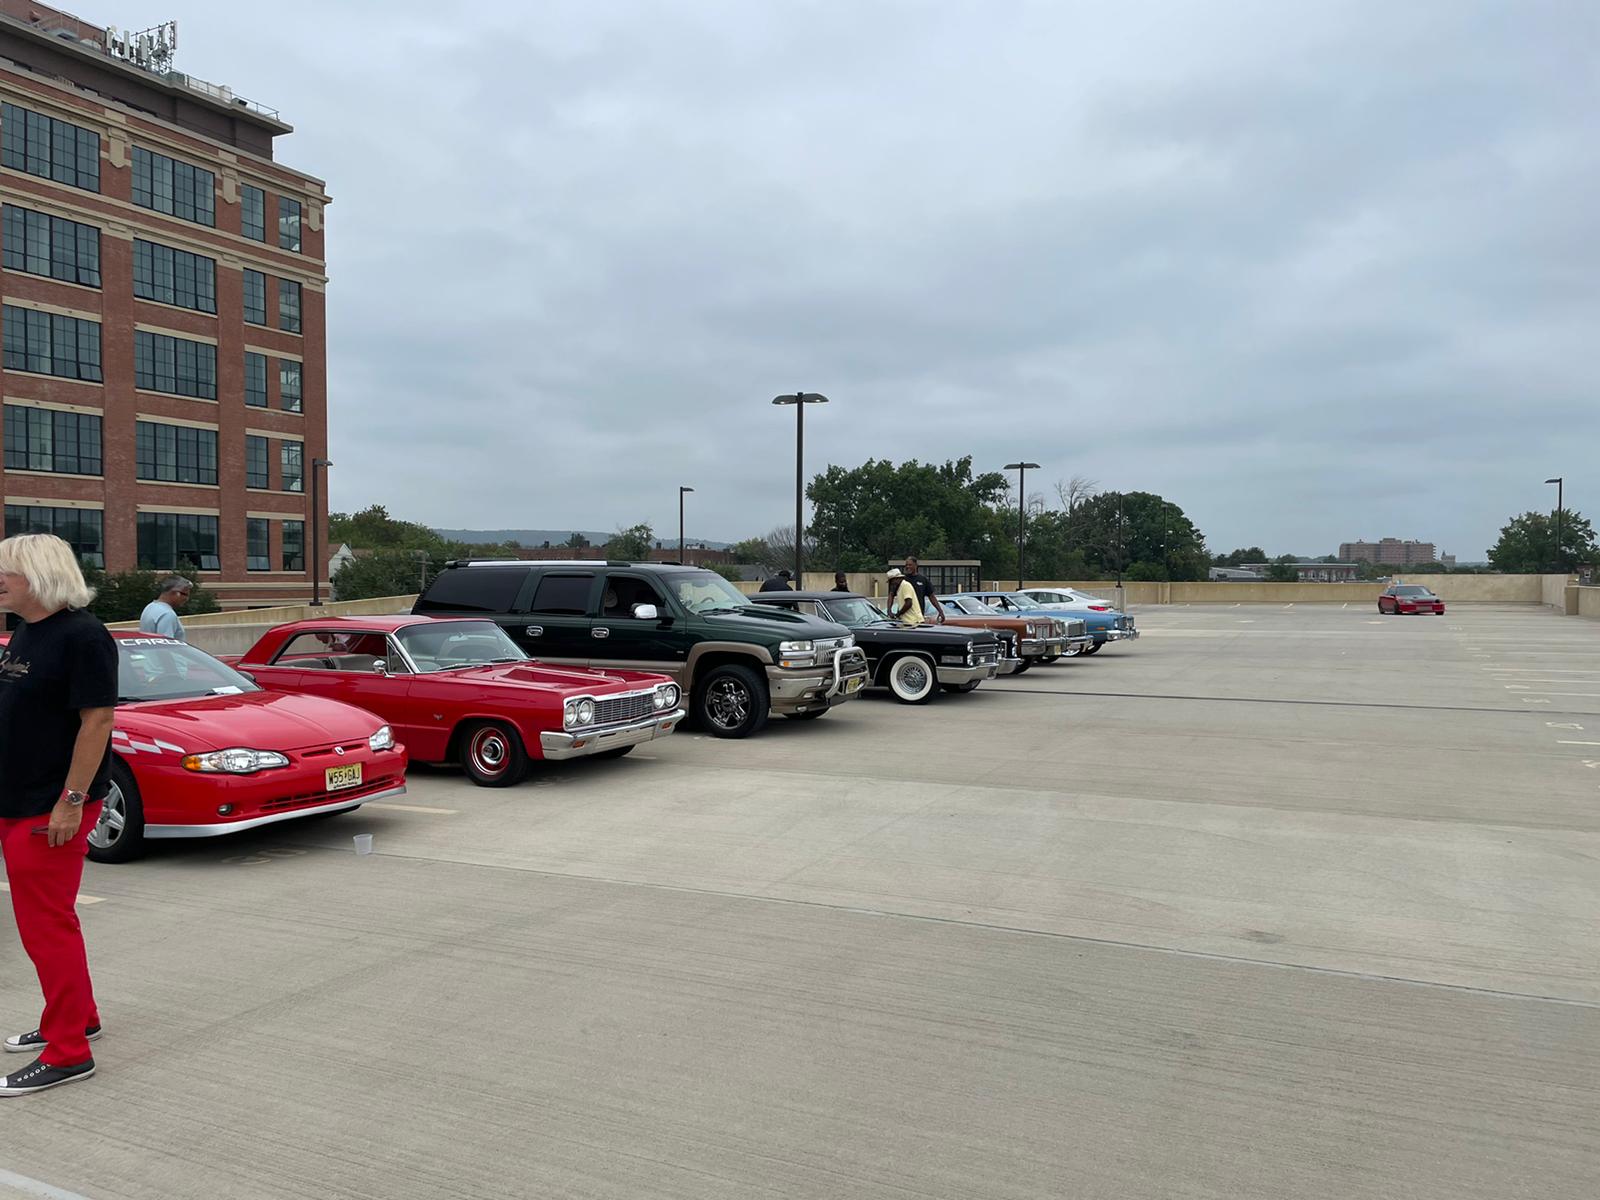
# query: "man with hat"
[[903, 604]]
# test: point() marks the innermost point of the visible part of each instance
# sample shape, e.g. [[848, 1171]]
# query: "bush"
[[123, 595]]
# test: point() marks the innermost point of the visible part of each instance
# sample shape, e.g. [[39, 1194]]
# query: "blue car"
[[1104, 624]]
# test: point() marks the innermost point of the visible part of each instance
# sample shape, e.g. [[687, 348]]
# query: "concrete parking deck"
[[1276, 902]]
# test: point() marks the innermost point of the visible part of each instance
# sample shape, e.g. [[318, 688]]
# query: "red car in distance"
[[460, 690], [198, 750], [1400, 598]]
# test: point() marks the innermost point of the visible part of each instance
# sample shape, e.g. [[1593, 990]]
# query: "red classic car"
[[1400, 598], [198, 750], [462, 690]]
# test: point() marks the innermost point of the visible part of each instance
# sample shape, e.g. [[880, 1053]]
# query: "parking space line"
[[1561, 742], [413, 808], [82, 899]]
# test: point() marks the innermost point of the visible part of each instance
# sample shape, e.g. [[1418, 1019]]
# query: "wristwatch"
[[75, 799]]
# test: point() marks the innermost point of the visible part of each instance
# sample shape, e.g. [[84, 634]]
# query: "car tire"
[[732, 702], [911, 679], [107, 843], [1048, 659], [961, 689], [492, 754], [1027, 665], [1072, 651], [614, 752], [1381, 609], [1093, 648]]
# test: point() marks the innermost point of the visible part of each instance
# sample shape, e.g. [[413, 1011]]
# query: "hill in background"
[[556, 537]]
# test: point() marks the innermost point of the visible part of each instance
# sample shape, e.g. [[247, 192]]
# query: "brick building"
[[1389, 552], [164, 380]]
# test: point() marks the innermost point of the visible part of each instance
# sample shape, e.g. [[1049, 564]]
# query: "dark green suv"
[[736, 661]]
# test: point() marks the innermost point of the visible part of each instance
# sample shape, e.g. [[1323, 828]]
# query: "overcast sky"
[[1313, 271]]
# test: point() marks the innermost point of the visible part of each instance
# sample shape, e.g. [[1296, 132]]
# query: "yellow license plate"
[[344, 777]]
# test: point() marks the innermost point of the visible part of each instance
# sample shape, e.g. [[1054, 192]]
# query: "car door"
[[621, 639], [553, 621]]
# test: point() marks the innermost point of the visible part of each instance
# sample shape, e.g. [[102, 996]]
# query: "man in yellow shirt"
[[903, 603]]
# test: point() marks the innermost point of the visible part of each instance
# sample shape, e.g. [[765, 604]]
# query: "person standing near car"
[[58, 695], [923, 586], [776, 583], [903, 603], [160, 616], [840, 583]]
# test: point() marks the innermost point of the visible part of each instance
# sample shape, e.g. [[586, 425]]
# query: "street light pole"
[[1022, 469], [799, 400], [316, 532], [681, 492], [1560, 557], [1122, 543]]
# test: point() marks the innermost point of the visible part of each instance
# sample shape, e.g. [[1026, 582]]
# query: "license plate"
[[344, 777]]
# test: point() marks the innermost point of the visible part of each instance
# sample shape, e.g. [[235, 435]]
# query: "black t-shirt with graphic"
[[51, 670], [925, 593]]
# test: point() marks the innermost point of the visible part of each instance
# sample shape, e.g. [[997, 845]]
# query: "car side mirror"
[[380, 667], [646, 612]]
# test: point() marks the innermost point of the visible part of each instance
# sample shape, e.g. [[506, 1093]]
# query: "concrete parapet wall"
[[1453, 589]]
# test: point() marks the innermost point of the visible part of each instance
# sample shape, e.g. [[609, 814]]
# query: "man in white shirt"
[[160, 616]]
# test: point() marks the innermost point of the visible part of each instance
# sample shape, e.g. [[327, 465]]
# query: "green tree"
[[374, 529], [576, 542], [1120, 530], [122, 596], [633, 543], [866, 515], [728, 571], [1282, 572], [1528, 543], [1235, 558], [754, 552], [385, 573]]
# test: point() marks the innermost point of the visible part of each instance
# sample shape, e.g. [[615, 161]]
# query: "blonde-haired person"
[[58, 696]]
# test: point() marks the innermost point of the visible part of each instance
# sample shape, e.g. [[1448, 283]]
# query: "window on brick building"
[[288, 224], [252, 212], [255, 379], [81, 528], [171, 541], [174, 276], [257, 462], [294, 545], [175, 453], [288, 306], [289, 384], [257, 544], [49, 148], [177, 366], [176, 188], [51, 344], [292, 460], [55, 247], [44, 439], [255, 297]]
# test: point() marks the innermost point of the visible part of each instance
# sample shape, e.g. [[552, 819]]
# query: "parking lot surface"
[[1275, 902]]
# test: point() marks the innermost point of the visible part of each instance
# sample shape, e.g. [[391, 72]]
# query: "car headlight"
[[237, 761], [585, 712], [666, 696], [797, 654], [795, 647], [382, 740]]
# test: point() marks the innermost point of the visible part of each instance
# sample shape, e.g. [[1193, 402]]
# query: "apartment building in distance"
[[1389, 552], [163, 279]]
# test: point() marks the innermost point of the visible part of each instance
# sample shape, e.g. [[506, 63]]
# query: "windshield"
[[450, 645], [966, 606], [855, 612], [164, 669], [706, 591], [1412, 591]]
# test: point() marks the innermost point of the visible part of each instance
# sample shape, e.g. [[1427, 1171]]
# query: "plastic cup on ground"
[[363, 843]]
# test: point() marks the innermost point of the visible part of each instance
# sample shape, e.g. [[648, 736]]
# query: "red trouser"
[[44, 894]]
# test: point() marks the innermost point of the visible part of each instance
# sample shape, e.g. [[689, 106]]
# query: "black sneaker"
[[24, 1043], [39, 1075]]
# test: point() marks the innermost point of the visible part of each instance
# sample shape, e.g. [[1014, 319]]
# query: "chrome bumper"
[[222, 827], [968, 674], [1010, 666], [560, 745], [798, 691], [1119, 635], [1042, 647]]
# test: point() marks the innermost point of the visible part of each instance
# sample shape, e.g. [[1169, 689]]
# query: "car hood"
[[766, 620], [933, 635], [541, 677], [257, 720]]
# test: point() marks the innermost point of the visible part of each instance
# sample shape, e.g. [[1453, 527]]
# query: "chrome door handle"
[[533, 630], [600, 632]]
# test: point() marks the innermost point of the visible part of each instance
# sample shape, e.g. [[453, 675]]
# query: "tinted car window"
[[560, 595], [622, 592], [473, 590], [162, 669]]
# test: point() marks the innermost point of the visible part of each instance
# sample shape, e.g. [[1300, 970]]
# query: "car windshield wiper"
[[724, 609]]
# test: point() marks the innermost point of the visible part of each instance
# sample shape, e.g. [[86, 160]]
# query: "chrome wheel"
[[489, 752], [108, 830], [911, 680], [728, 703]]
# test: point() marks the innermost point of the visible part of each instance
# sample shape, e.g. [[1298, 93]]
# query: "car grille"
[[1076, 629], [826, 646], [1124, 622], [986, 655], [376, 783], [613, 710]]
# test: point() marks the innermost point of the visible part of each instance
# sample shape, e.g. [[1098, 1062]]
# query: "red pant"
[[44, 894]]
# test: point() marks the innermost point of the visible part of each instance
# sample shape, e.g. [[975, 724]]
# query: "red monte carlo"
[[198, 750]]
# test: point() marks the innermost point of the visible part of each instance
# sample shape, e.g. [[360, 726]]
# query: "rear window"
[[473, 589], [563, 595]]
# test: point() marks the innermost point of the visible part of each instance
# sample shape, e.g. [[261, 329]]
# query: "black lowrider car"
[[909, 661]]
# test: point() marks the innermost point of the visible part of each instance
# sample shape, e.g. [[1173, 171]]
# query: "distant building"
[[1233, 574], [1389, 552], [1313, 572]]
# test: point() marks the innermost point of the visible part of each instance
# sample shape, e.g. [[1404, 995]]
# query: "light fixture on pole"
[[1560, 557], [316, 531], [799, 400], [681, 492], [1022, 469]]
